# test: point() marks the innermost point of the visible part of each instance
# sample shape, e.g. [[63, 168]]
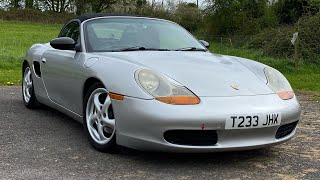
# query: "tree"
[[188, 15], [100, 5], [15, 3], [29, 4], [234, 17], [56, 5], [80, 6], [289, 12], [141, 3]]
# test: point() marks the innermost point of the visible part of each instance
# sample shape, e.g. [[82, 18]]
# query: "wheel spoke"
[[97, 104], [106, 105], [26, 79], [94, 132], [26, 96], [109, 122], [92, 119], [27, 92], [100, 131], [28, 76], [29, 84]]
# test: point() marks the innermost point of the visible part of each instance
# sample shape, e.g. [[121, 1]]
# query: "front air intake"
[[286, 129], [191, 137]]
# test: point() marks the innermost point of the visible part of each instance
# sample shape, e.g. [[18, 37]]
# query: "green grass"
[[305, 78], [15, 39]]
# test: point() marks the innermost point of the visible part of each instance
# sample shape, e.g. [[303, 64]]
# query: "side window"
[[72, 30]]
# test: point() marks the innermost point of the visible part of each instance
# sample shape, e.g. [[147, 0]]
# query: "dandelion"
[[9, 83]]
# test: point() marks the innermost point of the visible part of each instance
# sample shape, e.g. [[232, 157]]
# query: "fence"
[[304, 49]]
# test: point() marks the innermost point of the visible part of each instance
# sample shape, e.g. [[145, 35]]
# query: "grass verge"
[[15, 39]]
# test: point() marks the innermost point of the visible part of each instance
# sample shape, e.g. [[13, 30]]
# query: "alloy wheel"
[[27, 85], [99, 116]]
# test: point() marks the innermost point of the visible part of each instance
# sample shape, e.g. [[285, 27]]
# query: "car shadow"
[[202, 158]]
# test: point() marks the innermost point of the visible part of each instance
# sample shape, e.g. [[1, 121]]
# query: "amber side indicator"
[[179, 100], [286, 95], [115, 96]]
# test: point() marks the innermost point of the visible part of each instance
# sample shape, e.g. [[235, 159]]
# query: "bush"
[[274, 41], [277, 42], [309, 34]]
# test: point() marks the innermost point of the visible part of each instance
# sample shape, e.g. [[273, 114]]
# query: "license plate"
[[253, 121]]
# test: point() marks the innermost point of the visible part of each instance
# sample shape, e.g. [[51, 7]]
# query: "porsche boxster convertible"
[[148, 84]]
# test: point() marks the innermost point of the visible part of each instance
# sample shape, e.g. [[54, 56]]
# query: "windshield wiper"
[[140, 48], [191, 49]]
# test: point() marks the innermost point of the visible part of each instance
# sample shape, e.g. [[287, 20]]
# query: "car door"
[[61, 71]]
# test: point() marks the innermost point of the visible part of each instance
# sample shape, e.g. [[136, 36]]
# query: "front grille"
[[286, 129], [191, 137]]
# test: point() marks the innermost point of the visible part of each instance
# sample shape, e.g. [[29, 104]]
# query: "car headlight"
[[278, 83], [164, 89]]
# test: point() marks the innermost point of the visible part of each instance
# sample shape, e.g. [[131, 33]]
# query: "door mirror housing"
[[205, 43], [63, 43]]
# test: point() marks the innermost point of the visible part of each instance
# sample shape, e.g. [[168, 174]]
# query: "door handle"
[[43, 60]]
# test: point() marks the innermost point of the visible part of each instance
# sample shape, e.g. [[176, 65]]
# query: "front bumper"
[[141, 124]]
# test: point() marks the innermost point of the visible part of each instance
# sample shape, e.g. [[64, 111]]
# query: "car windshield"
[[135, 34]]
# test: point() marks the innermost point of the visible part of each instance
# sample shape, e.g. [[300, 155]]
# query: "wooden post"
[[296, 52], [296, 46]]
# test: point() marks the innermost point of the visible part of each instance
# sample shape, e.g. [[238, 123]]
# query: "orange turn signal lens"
[[179, 100], [286, 95], [118, 97]]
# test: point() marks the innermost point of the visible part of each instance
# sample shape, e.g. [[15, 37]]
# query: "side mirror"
[[205, 43], [63, 43]]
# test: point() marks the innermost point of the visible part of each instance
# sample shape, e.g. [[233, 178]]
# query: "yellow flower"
[[9, 83]]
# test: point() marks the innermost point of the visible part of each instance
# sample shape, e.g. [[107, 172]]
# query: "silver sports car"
[[148, 84]]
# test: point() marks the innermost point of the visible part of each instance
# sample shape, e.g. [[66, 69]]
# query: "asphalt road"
[[45, 144]]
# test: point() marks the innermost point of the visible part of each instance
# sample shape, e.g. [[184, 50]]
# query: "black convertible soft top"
[[84, 17]]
